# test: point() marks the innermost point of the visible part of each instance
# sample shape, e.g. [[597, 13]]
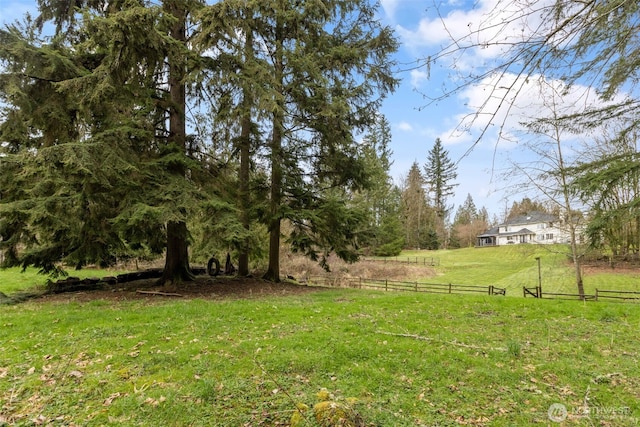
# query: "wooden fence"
[[430, 261], [600, 295], [395, 285], [449, 288], [603, 294]]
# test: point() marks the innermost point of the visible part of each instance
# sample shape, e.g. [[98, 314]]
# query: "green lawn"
[[14, 279], [513, 267], [405, 359]]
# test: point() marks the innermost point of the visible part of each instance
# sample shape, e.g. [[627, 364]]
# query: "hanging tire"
[[210, 270]]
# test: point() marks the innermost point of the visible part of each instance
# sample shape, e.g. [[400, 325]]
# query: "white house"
[[534, 227]]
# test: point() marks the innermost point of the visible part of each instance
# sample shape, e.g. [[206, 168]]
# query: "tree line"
[[133, 128]]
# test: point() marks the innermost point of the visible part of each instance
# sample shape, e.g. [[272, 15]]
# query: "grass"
[[513, 267], [14, 279], [405, 359]]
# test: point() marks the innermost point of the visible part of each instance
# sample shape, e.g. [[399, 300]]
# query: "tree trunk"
[[176, 267], [273, 271], [244, 174], [577, 265], [243, 193]]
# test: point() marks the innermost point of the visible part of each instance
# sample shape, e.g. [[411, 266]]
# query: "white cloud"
[[478, 34], [405, 126], [418, 77], [389, 7], [501, 104]]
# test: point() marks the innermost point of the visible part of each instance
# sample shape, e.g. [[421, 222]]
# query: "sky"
[[481, 125], [423, 28]]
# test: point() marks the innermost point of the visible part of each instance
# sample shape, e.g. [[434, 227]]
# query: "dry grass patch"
[[300, 268]]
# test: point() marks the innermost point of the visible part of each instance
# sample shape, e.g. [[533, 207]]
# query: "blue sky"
[[416, 121], [425, 28]]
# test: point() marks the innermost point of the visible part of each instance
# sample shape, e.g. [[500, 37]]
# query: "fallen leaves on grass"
[[453, 343], [155, 402], [109, 400], [75, 374]]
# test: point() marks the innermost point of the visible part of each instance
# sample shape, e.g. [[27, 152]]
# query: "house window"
[[540, 237], [549, 236], [509, 238]]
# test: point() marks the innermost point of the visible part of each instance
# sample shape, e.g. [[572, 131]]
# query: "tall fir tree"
[[419, 217], [383, 234], [316, 83], [117, 165], [440, 174], [525, 206]]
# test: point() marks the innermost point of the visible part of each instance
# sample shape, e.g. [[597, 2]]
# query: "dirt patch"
[[202, 287], [294, 268]]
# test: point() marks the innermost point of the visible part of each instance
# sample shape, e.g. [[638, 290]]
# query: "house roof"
[[535, 217], [490, 233], [531, 218]]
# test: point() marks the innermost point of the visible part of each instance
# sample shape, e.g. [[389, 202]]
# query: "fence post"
[[524, 292], [386, 284], [596, 294], [449, 287], [490, 289], [416, 286]]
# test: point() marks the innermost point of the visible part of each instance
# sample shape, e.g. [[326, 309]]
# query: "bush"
[[389, 249]]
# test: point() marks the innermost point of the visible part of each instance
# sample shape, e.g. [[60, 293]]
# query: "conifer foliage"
[[132, 123]]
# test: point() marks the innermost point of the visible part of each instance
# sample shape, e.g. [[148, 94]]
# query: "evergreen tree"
[[300, 78], [440, 172], [318, 79], [383, 232], [466, 212], [228, 31], [116, 165], [608, 182], [468, 223], [418, 216], [525, 206]]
